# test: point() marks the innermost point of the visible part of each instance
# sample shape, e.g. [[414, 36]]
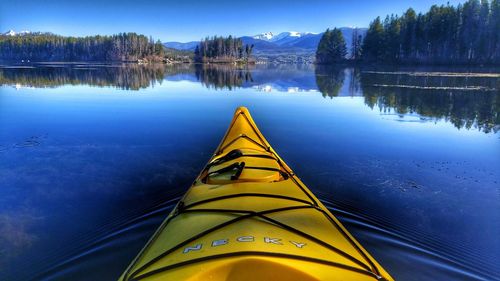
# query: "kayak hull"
[[247, 216]]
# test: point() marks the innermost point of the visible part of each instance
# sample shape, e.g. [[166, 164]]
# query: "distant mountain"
[[259, 44], [282, 38], [309, 41], [284, 44], [13, 33], [264, 36], [299, 40], [189, 46]]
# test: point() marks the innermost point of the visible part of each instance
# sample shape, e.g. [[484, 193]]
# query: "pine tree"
[[392, 46], [494, 31], [408, 40], [356, 42], [373, 45], [331, 48]]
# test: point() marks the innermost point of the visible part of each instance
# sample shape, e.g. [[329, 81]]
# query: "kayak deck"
[[247, 216]]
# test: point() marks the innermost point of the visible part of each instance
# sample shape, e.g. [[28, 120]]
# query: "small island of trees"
[[219, 49]]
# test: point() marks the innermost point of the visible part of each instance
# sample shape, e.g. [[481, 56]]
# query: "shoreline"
[[241, 63]]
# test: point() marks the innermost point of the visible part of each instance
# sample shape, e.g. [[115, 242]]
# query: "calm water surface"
[[93, 157]]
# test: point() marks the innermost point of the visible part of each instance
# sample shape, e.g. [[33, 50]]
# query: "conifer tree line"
[[466, 34], [51, 47], [222, 49]]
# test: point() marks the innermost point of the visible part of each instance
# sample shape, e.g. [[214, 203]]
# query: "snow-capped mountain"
[[280, 37], [10, 33], [13, 33], [264, 36]]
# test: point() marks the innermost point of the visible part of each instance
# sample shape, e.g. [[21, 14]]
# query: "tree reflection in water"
[[466, 99], [466, 102], [330, 79], [122, 76], [221, 76]]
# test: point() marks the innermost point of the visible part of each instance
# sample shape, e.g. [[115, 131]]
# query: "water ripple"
[[103, 245], [457, 261]]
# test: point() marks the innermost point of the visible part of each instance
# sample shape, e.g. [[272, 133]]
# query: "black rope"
[[318, 241], [284, 174], [291, 229], [248, 215], [235, 154], [277, 196], [259, 156], [229, 168], [256, 253], [264, 168], [235, 166], [210, 230]]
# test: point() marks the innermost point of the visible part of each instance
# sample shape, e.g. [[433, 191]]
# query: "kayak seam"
[[257, 253], [256, 131], [238, 137]]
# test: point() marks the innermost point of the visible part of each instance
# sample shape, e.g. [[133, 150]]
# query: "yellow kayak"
[[249, 217]]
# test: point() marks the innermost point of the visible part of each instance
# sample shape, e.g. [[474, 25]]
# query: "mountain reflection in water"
[[466, 98]]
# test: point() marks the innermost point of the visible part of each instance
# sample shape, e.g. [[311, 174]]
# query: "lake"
[[94, 156]]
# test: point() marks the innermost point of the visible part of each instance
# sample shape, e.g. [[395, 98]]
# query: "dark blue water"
[[93, 157]]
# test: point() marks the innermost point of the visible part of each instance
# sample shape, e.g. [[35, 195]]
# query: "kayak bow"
[[247, 216]]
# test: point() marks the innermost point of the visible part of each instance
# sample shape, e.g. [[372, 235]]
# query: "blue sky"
[[192, 20]]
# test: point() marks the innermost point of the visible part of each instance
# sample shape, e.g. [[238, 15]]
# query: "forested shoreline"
[[122, 47], [50, 47], [466, 34]]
